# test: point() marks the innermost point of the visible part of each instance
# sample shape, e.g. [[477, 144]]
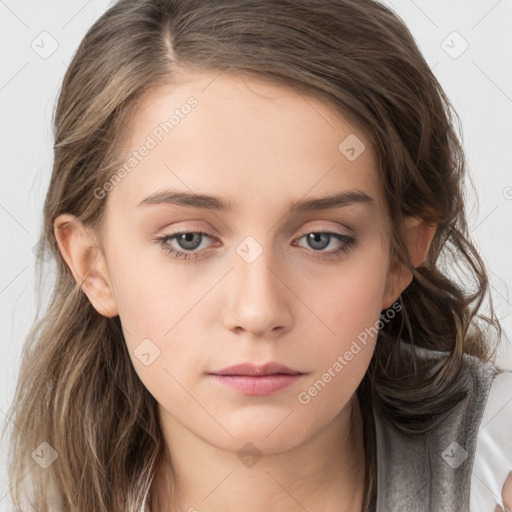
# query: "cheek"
[[151, 292], [357, 299], [347, 307], [348, 298], [350, 305], [159, 304]]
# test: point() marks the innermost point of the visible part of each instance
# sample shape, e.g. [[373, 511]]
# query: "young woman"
[[257, 219]]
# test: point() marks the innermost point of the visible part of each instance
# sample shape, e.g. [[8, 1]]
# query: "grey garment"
[[429, 472]]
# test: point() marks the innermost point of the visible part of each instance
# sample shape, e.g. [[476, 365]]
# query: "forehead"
[[242, 136]]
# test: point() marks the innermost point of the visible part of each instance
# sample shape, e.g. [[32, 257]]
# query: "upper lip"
[[253, 369]]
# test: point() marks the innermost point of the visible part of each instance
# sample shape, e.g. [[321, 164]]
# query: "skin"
[[260, 146]]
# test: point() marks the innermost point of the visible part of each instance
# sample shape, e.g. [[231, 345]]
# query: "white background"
[[478, 81]]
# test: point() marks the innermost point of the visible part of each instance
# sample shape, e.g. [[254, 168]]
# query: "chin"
[[260, 440]]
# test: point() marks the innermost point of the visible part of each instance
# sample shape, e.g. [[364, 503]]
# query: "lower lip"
[[258, 385]]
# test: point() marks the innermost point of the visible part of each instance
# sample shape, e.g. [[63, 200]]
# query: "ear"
[[80, 250], [418, 237]]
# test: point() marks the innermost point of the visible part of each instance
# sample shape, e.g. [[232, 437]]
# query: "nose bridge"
[[258, 299], [254, 268]]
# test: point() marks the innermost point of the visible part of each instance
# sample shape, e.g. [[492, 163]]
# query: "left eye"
[[319, 240], [187, 240]]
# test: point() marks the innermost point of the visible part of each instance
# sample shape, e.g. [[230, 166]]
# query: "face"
[[201, 284]]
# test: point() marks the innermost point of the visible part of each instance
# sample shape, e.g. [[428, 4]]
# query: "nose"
[[259, 298]]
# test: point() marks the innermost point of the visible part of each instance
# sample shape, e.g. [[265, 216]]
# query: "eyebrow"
[[203, 201]]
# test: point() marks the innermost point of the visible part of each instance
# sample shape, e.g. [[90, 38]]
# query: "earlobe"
[[80, 250], [418, 237]]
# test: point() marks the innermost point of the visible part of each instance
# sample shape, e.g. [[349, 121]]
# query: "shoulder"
[[434, 470], [493, 455], [479, 377]]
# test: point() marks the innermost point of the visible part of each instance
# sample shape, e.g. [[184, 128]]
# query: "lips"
[[253, 370], [257, 380]]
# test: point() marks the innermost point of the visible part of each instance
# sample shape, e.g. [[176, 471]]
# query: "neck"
[[326, 472]]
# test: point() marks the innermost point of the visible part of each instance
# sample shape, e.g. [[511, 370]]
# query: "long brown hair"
[[77, 389]]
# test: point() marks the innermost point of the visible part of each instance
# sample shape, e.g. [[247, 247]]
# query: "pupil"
[[187, 240], [315, 239]]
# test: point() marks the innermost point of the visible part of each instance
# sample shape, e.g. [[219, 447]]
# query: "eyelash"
[[348, 243]]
